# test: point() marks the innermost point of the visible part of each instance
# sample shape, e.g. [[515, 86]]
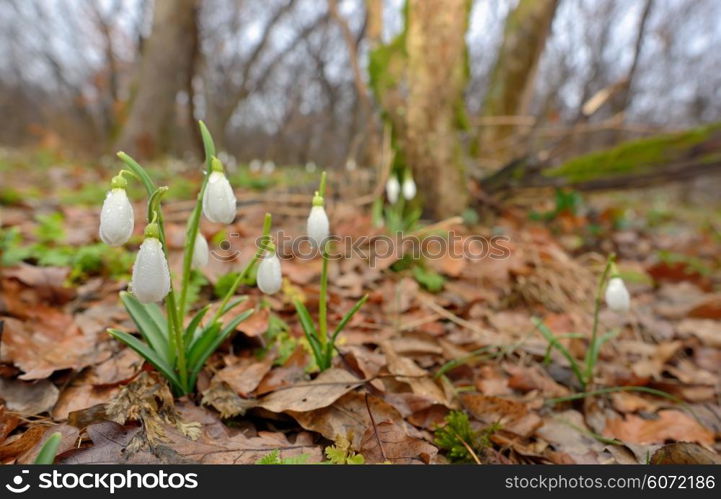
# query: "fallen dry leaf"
[[69, 437], [349, 416], [28, 398], [684, 453], [668, 425], [513, 416], [390, 442], [245, 376], [409, 372], [328, 387], [49, 342]]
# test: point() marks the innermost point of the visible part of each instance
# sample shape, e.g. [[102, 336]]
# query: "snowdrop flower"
[[219, 198], [151, 277], [351, 165], [268, 167], [409, 187], [318, 225], [255, 165], [393, 189], [310, 167], [200, 252], [116, 217], [269, 277], [617, 297]]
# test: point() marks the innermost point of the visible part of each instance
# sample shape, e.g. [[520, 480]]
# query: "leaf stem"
[[588, 375], [194, 222], [323, 301]]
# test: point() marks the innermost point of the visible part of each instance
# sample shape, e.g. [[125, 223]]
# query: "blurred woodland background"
[[498, 91]]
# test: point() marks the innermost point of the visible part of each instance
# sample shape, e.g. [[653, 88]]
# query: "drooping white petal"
[[269, 277], [151, 277], [268, 167], [393, 189], [318, 225], [219, 199], [201, 252], [409, 188], [116, 218], [617, 297]]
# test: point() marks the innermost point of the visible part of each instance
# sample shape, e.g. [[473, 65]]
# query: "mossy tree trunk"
[[632, 164], [437, 76], [511, 83], [167, 60]]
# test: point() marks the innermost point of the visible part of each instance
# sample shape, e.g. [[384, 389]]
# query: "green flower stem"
[[265, 238], [596, 312], [321, 189], [139, 172], [614, 389], [176, 349], [323, 301], [194, 222]]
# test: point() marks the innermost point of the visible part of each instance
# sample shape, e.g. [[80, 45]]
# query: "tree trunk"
[[166, 63], [511, 84], [437, 75]]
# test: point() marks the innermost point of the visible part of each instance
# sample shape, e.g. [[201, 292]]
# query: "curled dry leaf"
[[8, 422], [69, 437], [328, 387], [348, 416], [684, 453], [570, 439], [10, 450], [28, 398], [48, 342], [527, 378], [667, 425], [409, 372], [391, 442], [514, 416], [245, 376]]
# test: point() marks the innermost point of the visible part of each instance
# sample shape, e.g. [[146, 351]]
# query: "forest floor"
[[438, 341]]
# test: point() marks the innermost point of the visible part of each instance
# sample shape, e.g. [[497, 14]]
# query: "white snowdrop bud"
[[116, 217], [318, 226], [219, 198], [409, 188], [269, 277], [393, 189], [617, 297], [151, 277], [268, 167], [200, 252], [255, 165]]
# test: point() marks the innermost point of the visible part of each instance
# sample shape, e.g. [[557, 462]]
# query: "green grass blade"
[[205, 351], [210, 340], [310, 331], [551, 339], [148, 354], [151, 331], [194, 323], [49, 450], [594, 351], [305, 319], [347, 317], [230, 306]]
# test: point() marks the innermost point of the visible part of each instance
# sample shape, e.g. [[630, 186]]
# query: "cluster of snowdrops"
[[179, 351]]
